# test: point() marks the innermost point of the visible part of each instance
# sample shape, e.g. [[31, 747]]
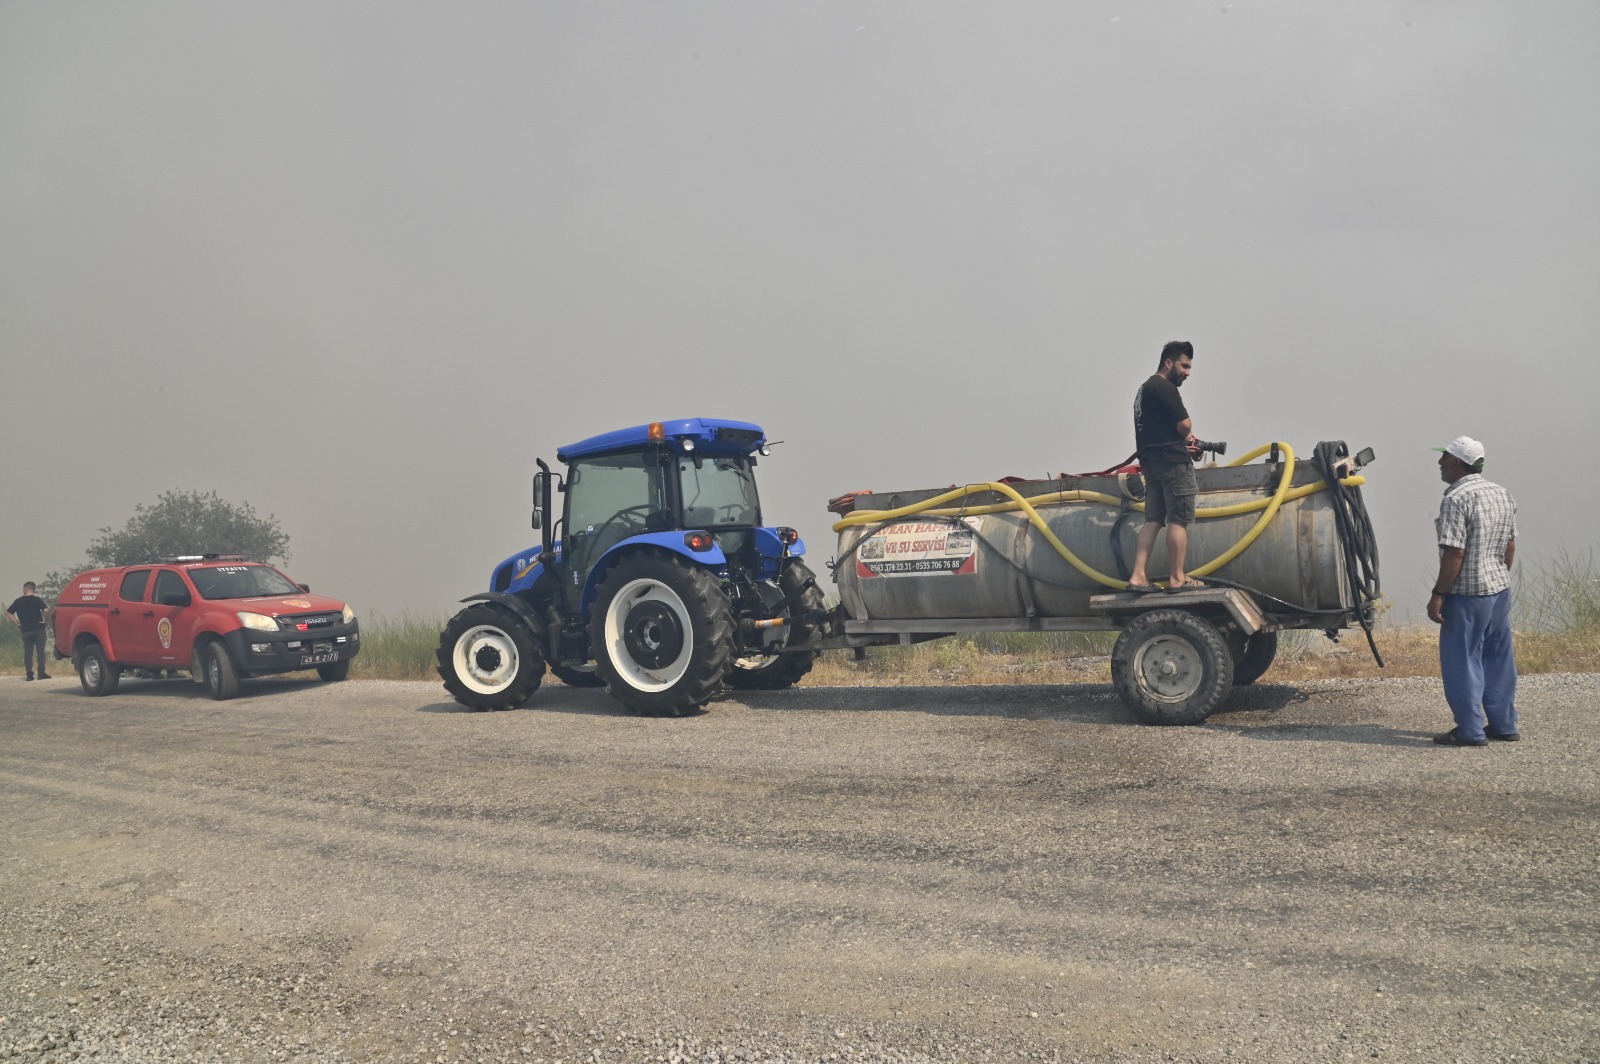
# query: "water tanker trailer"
[[1283, 543]]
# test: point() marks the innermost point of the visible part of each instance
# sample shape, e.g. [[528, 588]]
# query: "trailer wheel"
[[771, 672], [662, 632], [488, 659], [1255, 659], [1171, 667], [95, 672], [577, 675]]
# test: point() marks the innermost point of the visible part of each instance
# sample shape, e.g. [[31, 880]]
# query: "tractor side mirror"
[[538, 500]]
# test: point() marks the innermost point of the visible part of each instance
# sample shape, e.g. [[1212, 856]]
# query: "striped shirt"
[[1480, 517]]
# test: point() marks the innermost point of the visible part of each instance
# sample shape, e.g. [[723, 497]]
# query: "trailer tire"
[[1251, 663], [772, 672], [96, 672], [1171, 667], [489, 659], [662, 633]]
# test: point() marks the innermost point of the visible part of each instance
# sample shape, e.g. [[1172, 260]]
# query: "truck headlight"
[[259, 621], [349, 615]]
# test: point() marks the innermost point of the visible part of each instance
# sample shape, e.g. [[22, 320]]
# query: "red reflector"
[[788, 535], [697, 541]]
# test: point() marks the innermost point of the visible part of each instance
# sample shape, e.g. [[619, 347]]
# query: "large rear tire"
[[662, 633], [489, 659], [1250, 664], [1171, 667], [96, 672], [771, 672]]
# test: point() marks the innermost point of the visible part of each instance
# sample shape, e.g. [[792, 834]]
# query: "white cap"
[[1469, 450]]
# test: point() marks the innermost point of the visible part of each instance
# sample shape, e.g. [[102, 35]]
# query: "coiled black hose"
[[1356, 536]]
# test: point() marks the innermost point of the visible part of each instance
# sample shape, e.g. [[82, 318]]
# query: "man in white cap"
[[1477, 531]]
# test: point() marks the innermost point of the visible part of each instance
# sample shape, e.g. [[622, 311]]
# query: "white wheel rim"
[[486, 660], [635, 674], [1168, 669], [91, 670]]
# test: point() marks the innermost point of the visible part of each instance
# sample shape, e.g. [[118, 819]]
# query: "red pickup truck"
[[219, 617]]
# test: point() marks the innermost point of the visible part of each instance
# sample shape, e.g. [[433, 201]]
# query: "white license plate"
[[317, 659]]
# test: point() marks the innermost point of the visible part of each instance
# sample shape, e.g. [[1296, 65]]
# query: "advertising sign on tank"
[[920, 549]]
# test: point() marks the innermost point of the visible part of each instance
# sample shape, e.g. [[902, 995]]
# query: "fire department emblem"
[[164, 633]]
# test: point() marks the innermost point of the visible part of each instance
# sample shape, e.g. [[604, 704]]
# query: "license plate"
[[317, 659]]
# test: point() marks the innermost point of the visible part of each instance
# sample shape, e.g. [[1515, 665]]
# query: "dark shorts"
[[1169, 491]]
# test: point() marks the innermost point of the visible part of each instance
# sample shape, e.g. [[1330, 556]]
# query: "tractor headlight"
[[688, 445], [349, 615], [259, 621]]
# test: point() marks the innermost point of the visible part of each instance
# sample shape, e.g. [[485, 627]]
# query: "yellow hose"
[[1270, 506]]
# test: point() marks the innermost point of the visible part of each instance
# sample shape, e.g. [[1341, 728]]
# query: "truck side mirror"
[[305, 587]]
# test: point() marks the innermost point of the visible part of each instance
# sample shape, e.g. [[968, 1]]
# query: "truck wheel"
[[221, 678], [335, 671], [771, 672], [662, 632], [578, 675], [1171, 667], [489, 659], [95, 672], [1251, 663]]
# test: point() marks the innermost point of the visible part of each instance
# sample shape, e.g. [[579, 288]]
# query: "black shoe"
[[44, 676], [1453, 738], [1503, 737], [28, 678]]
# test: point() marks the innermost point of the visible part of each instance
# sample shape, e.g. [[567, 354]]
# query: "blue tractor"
[[657, 579]]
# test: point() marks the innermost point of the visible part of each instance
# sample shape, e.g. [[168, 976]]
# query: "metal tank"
[[999, 565]]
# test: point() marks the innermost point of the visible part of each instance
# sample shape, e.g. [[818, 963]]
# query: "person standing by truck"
[[1162, 429], [1471, 600], [28, 613]]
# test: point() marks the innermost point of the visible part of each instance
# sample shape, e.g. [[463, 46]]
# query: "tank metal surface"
[[1282, 544]]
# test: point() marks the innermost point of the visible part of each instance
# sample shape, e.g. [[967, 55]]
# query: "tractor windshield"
[[718, 492]]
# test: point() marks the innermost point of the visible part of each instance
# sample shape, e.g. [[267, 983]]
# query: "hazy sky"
[[358, 264]]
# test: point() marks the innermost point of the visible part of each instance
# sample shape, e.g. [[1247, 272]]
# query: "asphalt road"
[[363, 871]]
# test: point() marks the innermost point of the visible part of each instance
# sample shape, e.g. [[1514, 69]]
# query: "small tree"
[[180, 522]]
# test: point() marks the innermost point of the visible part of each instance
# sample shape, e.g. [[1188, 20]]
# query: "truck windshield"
[[718, 492], [241, 581]]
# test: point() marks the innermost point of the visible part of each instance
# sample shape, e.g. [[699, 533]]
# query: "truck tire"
[[772, 672], [335, 671], [489, 659], [1255, 659], [577, 675], [219, 675], [662, 632], [96, 672], [1171, 667]]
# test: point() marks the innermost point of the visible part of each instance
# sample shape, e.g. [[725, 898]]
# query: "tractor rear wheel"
[[489, 659], [1171, 667], [662, 633], [771, 672]]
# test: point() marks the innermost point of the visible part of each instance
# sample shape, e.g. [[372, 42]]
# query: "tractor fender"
[[516, 604], [669, 541]]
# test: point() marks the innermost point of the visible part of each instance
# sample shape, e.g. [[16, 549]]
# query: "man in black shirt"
[[1162, 427], [28, 614]]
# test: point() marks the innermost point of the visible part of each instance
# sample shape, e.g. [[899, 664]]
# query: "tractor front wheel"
[[662, 633], [489, 659]]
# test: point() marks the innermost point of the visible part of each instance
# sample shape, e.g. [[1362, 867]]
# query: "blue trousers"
[[1480, 673]]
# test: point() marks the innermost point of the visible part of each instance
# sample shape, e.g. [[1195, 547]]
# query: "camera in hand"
[[1198, 447]]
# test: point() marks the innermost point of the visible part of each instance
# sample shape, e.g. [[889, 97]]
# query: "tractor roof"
[[712, 435]]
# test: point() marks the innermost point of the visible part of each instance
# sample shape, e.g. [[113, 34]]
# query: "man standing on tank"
[[1162, 428]]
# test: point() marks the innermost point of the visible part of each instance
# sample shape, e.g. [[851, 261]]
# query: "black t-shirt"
[[1157, 409], [29, 611]]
